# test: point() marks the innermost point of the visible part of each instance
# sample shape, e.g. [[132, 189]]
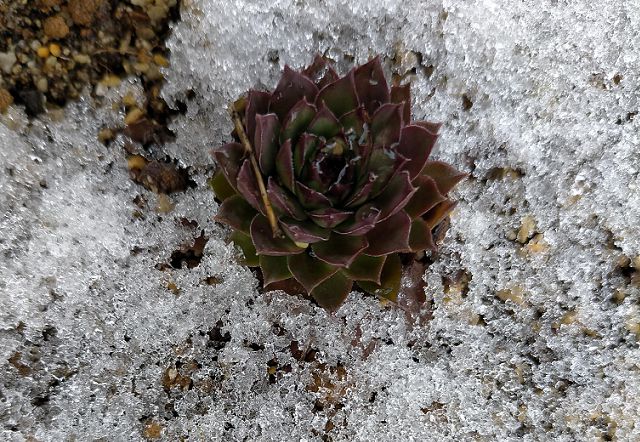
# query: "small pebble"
[[7, 60], [6, 100], [55, 49], [42, 84], [43, 52], [55, 27], [134, 115]]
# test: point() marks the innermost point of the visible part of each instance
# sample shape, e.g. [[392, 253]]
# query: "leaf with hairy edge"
[[297, 120], [274, 268], [402, 95], [425, 198], [329, 217], [266, 244], [331, 293], [395, 196], [311, 199], [236, 213], [445, 176], [290, 89], [324, 124], [248, 186], [354, 121], [220, 186], [434, 128], [305, 148], [284, 165], [309, 271], [246, 245], [386, 124], [390, 236], [366, 268], [364, 220], [321, 72], [436, 215], [384, 164], [420, 237], [339, 96], [416, 144], [371, 85], [304, 231], [257, 103], [284, 202], [266, 141], [390, 280], [340, 250], [229, 158]]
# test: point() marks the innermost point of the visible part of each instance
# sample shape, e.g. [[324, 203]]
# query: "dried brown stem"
[[271, 216]]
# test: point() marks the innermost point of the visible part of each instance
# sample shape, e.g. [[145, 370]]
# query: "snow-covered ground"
[[535, 292]]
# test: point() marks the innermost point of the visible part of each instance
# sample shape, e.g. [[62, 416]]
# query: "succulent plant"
[[328, 181]]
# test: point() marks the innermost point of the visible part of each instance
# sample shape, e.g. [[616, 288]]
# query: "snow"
[[540, 344]]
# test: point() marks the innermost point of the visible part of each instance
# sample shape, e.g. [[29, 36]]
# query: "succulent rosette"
[[328, 181]]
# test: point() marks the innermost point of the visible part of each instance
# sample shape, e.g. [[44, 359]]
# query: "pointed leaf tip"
[[330, 294], [371, 85]]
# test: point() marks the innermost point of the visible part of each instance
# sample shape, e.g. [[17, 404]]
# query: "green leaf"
[[389, 281], [274, 268], [366, 268], [309, 271], [246, 245], [236, 213], [331, 293], [220, 186]]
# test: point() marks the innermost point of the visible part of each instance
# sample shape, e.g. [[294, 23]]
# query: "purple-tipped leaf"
[[354, 122], [236, 213], [266, 141], [309, 198], [402, 95], [321, 72], [389, 281], [364, 191], [339, 96], [284, 165], [386, 124], [384, 163], [266, 244], [330, 294], [309, 271], [371, 85], [291, 88], [420, 237], [297, 120], [229, 158], [257, 103], [416, 144], [395, 195], [244, 243], [434, 128], [366, 268], [329, 217], [445, 176], [284, 203], [364, 220], [390, 235], [324, 124], [220, 186], [436, 215], [248, 186], [304, 150], [425, 199], [304, 231], [340, 250], [274, 268]]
